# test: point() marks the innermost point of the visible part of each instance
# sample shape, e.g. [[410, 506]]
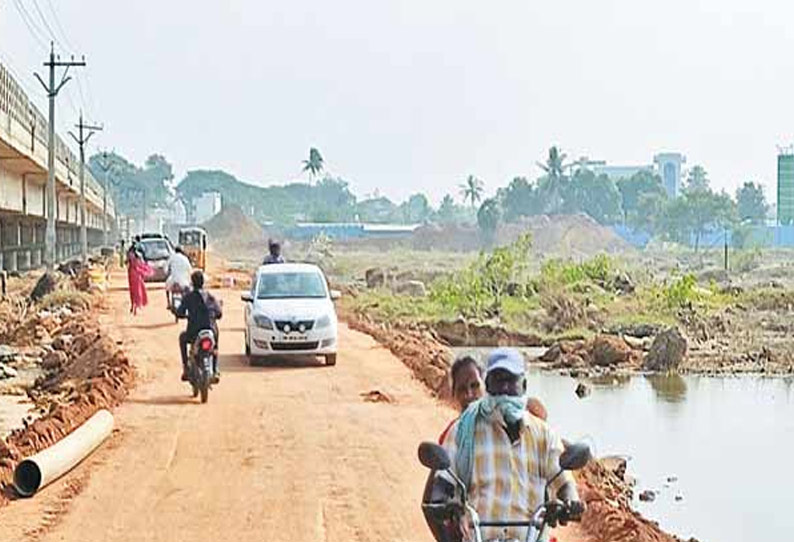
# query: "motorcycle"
[[458, 508], [176, 293], [200, 364]]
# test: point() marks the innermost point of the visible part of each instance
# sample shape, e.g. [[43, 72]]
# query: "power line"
[[35, 32], [80, 92], [59, 26], [64, 36], [90, 92], [85, 104], [29, 90], [46, 24], [54, 36]]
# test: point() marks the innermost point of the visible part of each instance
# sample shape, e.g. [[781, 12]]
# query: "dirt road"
[[289, 452]]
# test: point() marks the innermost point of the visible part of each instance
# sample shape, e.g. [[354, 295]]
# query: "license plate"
[[294, 338]]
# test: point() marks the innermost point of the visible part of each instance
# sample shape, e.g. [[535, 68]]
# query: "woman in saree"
[[137, 271]]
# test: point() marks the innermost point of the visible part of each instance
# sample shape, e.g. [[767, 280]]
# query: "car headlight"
[[323, 322], [263, 321]]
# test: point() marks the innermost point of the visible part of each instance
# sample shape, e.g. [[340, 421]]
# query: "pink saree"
[[137, 271]]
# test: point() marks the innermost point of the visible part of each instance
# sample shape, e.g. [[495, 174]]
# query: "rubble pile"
[[663, 352], [80, 369]]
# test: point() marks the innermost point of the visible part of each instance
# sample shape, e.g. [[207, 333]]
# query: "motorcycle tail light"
[[205, 345]]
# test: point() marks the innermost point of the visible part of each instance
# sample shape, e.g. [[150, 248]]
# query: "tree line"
[[639, 202]]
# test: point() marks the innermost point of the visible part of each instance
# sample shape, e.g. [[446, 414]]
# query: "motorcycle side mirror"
[[433, 456], [575, 456], [247, 297]]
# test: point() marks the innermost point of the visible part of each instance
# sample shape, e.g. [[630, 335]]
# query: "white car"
[[290, 312]]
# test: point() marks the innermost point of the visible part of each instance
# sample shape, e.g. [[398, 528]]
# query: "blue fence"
[[754, 236], [355, 230], [638, 239]]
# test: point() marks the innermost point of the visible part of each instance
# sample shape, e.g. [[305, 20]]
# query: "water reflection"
[[671, 388], [610, 381], [696, 429]]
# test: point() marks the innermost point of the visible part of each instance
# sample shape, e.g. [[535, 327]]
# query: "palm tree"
[[554, 163], [472, 190], [554, 168], [314, 165]]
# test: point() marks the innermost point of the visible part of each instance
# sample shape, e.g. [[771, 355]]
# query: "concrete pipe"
[[39, 470]]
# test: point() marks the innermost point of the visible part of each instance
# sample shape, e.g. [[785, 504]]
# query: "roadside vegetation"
[[553, 298]]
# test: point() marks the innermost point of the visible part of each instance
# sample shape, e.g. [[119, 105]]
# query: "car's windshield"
[[155, 249], [299, 284]]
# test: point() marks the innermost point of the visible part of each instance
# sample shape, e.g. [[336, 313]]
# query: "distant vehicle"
[[194, 244], [156, 252], [153, 235], [290, 312]]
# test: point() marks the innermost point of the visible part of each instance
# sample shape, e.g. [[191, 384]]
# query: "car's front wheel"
[[330, 360]]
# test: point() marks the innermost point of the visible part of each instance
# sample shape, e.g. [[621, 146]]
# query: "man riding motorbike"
[[274, 256], [504, 456], [179, 270], [202, 311]]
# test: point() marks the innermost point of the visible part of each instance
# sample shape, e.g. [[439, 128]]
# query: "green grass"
[[385, 306]]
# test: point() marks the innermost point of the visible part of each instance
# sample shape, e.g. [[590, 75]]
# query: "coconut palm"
[[552, 185], [314, 165], [472, 190], [554, 163]]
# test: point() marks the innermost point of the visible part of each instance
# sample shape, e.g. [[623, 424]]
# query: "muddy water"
[[727, 442]]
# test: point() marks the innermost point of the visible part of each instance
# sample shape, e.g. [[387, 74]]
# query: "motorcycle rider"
[[179, 270], [505, 456], [274, 256], [202, 311]]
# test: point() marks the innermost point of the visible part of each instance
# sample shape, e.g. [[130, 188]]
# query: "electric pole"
[[105, 166], [52, 91], [85, 131]]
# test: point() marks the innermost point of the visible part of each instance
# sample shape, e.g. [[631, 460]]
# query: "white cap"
[[509, 359]]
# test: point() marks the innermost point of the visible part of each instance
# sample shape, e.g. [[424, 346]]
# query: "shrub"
[[558, 272], [479, 290]]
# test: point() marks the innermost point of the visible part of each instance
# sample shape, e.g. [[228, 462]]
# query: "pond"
[[724, 441]]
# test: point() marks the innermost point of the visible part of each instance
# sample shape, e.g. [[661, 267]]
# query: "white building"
[[668, 165], [206, 206]]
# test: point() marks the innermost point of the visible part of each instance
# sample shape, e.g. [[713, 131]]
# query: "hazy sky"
[[417, 94]]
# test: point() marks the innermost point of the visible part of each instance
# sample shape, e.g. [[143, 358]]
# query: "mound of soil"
[[231, 225], [609, 517], [559, 235]]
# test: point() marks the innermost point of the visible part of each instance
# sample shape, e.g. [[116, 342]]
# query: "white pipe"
[[39, 470]]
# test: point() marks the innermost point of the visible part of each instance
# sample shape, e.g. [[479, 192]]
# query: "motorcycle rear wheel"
[[205, 393]]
